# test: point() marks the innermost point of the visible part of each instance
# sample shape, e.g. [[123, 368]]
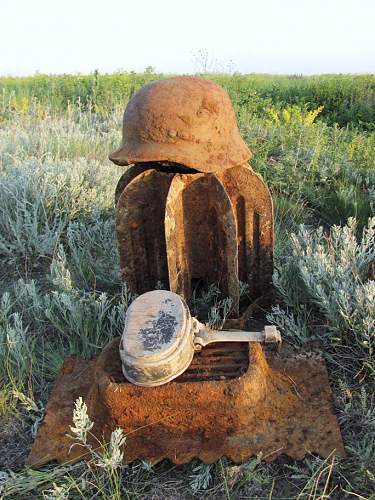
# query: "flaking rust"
[[191, 213], [239, 404], [188, 231]]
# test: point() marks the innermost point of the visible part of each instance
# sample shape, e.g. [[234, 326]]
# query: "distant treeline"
[[347, 99]]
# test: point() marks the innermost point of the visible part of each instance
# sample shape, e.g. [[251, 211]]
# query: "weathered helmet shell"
[[185, 120]]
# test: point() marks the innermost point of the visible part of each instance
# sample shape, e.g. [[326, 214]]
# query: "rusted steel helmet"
[[186, 120]]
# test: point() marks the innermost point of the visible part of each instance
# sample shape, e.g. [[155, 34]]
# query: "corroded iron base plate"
[[233, 401]]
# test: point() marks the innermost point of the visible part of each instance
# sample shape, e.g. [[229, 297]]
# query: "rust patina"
[[232, 401], [190, 230], [185, 120], [190, 212]]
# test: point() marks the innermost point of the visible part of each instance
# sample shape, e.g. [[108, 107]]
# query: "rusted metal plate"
[[200, 231], [231, 402], [140, 213]]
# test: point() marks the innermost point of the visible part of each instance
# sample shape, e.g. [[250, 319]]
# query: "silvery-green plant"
[[109, 456], [29, 301], [219, 312], [254, 475], [209, 303], [201, 476], [57, 492], [60, 273], [205, 298], [30, 483], [357, 405], [59, 137], [81, 422], [17, 362], [34, 410], [326, 276], [293, 323], [84, 321], [93, 254], [16, 346], [38, 200], [28, 231], [244, 289]]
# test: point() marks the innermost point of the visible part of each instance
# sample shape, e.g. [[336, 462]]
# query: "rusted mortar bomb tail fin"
[[188, 123], [134, 170], [130, 174], [217, 229]]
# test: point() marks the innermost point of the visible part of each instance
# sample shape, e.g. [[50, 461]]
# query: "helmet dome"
[[186, 120]]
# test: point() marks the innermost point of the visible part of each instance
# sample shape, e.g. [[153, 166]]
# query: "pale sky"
[[262, 36]]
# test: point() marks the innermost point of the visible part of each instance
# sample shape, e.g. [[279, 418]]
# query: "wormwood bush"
[[75, 188], [37, 203], [16, 347], [93, 256], [356, 414], [56, 137], [325, 277], [38, 330], [28, 230], [85, 322]]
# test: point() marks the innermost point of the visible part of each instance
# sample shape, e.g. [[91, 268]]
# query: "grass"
[[347, 99], [61, 292]]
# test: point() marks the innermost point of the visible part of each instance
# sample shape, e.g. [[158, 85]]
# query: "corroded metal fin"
[[252, 203], [130, 174], [140, 215], [201, 237]]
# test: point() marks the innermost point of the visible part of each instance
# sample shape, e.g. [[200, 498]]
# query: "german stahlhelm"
[[185, 120]]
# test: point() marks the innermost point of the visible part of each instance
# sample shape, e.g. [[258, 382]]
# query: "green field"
[[313, 141]]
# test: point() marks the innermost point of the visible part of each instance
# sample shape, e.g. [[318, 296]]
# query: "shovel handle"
[[270, 334]]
